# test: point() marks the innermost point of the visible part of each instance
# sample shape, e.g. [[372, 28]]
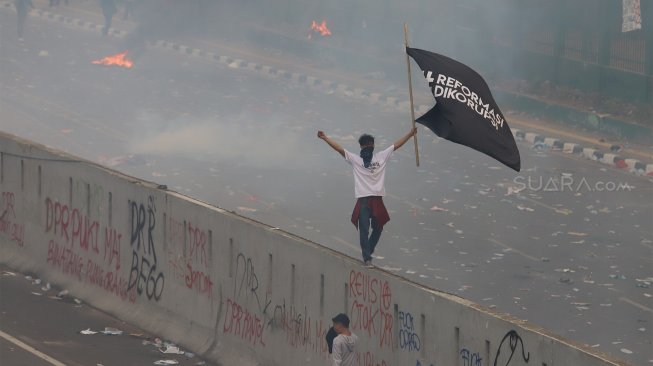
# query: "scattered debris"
[[166, 362], [512, 190], [574, 233], [62, 293], [524, 208], [626, 351], [172, 349], [565, 270], [7, 273], [111, 331], [87, 331], [36, 293], [620, 277], [440, 209]]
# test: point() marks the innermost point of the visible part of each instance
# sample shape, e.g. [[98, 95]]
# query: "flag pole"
[[410, 93]]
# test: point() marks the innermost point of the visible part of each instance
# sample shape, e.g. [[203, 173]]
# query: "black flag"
[[465, 111]]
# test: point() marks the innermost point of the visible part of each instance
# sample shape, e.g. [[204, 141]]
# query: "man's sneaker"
[[368, 264]]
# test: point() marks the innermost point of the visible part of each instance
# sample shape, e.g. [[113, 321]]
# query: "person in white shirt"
[[369, 188], [344, 345]]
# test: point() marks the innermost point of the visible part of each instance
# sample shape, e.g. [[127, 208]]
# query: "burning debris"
[[320, 29], [117, 60]]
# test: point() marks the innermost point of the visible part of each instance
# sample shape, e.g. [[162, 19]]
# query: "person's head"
[[366, 140], [340, 323]]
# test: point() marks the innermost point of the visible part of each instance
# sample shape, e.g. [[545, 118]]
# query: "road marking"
[[528, 256], [31, 349], [636, 304]]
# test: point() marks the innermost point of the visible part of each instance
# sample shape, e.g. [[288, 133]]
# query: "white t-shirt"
[[369, 181], [344, 348]]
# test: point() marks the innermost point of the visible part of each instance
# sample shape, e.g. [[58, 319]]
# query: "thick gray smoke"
[[233, 139]]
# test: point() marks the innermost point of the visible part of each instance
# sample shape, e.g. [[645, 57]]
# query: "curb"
[[549, 143], [539, 142]]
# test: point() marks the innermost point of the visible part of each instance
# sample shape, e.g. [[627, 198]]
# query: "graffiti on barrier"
[[9, 227], [144, 276], [239, 320], [408, 338], [189, 264], [368, 359], [514, 341], [470, 358], [371, 309], [81, 248]]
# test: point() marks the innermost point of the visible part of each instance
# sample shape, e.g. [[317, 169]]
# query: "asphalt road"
[[576, 259], [40, 328]]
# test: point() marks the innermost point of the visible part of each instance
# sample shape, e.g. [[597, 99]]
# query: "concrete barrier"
[[234, 290]]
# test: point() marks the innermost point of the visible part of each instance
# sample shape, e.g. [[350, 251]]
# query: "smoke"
[[243, 139]]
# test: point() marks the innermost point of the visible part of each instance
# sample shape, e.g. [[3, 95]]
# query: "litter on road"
[[111, 331], [440, 209], [87, 331], [172, 349], [166, 362]]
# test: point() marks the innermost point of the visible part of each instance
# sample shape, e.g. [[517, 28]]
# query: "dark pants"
[[365, 220]]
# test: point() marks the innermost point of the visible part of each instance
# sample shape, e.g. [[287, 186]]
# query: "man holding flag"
[[369, 184], [465, 113]]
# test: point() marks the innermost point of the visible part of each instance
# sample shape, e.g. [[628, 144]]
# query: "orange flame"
[[118, 60], [321, 28]]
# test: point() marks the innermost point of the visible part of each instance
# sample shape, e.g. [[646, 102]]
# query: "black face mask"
[[366, 154]]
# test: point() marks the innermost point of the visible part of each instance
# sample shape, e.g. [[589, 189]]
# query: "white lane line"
[[31, 349], [636, 304]]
